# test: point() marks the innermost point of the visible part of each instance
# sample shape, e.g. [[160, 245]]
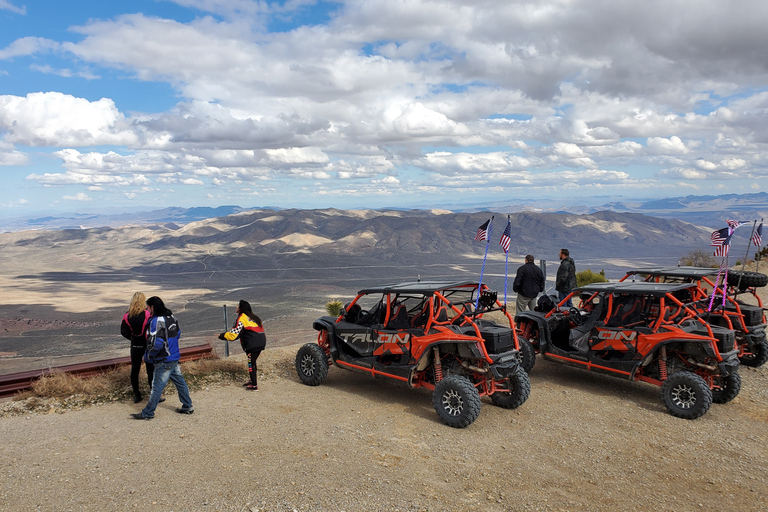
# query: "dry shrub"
[[202, 372], [62, 385], [116, 384]]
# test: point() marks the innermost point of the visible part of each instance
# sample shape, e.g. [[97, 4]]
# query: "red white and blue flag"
[[757, 237], [506, 237], [722, 249], [482, 231], [733, 224], [720, 236]]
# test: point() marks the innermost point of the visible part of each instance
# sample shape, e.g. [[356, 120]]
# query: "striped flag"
[[757, 237], [733, 224], [482, 231], [506, 237], [722, 250], [720, 236]]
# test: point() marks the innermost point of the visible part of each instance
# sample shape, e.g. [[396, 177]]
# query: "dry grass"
[[60, 391]]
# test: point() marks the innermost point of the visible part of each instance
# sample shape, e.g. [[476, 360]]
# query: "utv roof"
[[643, 288], [422, 287], [690, 272]]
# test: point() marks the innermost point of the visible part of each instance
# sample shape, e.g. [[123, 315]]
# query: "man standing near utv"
[[529, 282], [566, 277], [163, 335]]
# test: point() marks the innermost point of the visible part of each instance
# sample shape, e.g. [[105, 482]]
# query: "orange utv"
[[742, 310], [434, 335], [641, 331]]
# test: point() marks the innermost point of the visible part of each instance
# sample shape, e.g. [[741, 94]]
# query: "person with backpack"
[[250, 329], [163, 333], [133, 328]]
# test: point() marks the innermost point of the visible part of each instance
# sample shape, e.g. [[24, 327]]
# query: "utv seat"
[[398, 319]]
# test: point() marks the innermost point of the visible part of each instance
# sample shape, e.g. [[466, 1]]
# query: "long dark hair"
[[158, 307], [245, 308]]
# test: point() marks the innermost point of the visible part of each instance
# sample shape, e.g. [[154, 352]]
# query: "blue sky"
[[155, 103]]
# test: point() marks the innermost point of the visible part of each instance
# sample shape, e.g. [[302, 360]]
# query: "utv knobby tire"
[[520, 389], [686, 395], [758, 357], [526, 357], [311, 364], [748, 279], [456, 401], [729, 388]]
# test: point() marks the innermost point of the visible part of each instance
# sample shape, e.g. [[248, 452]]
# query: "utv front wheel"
[[456, 401], [728, 390], [758, 357], [311, 364], [519, 387], [686, 395], [527, 355]]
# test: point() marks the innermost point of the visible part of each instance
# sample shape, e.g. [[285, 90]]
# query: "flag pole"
[[482, 270], [506, 267], [757, 260], [744, 263]]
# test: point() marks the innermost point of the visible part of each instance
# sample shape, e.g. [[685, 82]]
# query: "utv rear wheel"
[[311, 364], [745, 279], [729, 388], [456, 401], [758, 357], [686, 395], [526, 357], [519, 387]]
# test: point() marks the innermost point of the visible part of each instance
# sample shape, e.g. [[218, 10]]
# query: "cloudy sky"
[[306, 103]]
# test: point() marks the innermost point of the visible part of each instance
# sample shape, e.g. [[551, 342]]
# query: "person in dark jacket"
[[529, 282], [565, 281], [249, 328], [163, 335], [133, 328]]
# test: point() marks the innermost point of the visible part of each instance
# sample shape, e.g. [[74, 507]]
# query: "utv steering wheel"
[[574, 315]]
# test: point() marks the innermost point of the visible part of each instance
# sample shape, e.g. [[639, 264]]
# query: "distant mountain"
[[93, 220], [278, 240], [709, 211]]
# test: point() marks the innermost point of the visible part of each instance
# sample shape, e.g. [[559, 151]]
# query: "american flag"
[[722, 249], [733, 224], [757, 237], [506, 237], [720, 236], [482, 231]]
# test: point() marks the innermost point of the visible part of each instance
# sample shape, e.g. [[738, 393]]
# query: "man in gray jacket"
[[565, 281]]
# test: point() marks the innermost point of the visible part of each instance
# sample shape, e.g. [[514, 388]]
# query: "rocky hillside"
[[268, 238]]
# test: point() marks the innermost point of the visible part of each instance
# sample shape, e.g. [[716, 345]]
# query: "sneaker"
[[162, 399], [251, 387], [139, 416], [182, 410], [246, 383]]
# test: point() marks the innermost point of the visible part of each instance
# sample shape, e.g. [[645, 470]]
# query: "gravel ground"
[[581, 442]]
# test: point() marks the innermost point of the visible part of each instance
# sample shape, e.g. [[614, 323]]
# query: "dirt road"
[[581, 442]]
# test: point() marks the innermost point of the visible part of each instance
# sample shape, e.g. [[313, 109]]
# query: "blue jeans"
[[163, 373], [561, 296]]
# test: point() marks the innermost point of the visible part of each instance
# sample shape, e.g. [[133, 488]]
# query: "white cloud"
[[55, 119], [80, 196], [5, 5], [27, 46], [670, 146], [13, 158]]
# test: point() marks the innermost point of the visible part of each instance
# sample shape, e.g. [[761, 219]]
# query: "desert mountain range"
[[701, 210], [271, 239]]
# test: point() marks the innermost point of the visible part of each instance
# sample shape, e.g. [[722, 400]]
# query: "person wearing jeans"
[[163, 335]]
